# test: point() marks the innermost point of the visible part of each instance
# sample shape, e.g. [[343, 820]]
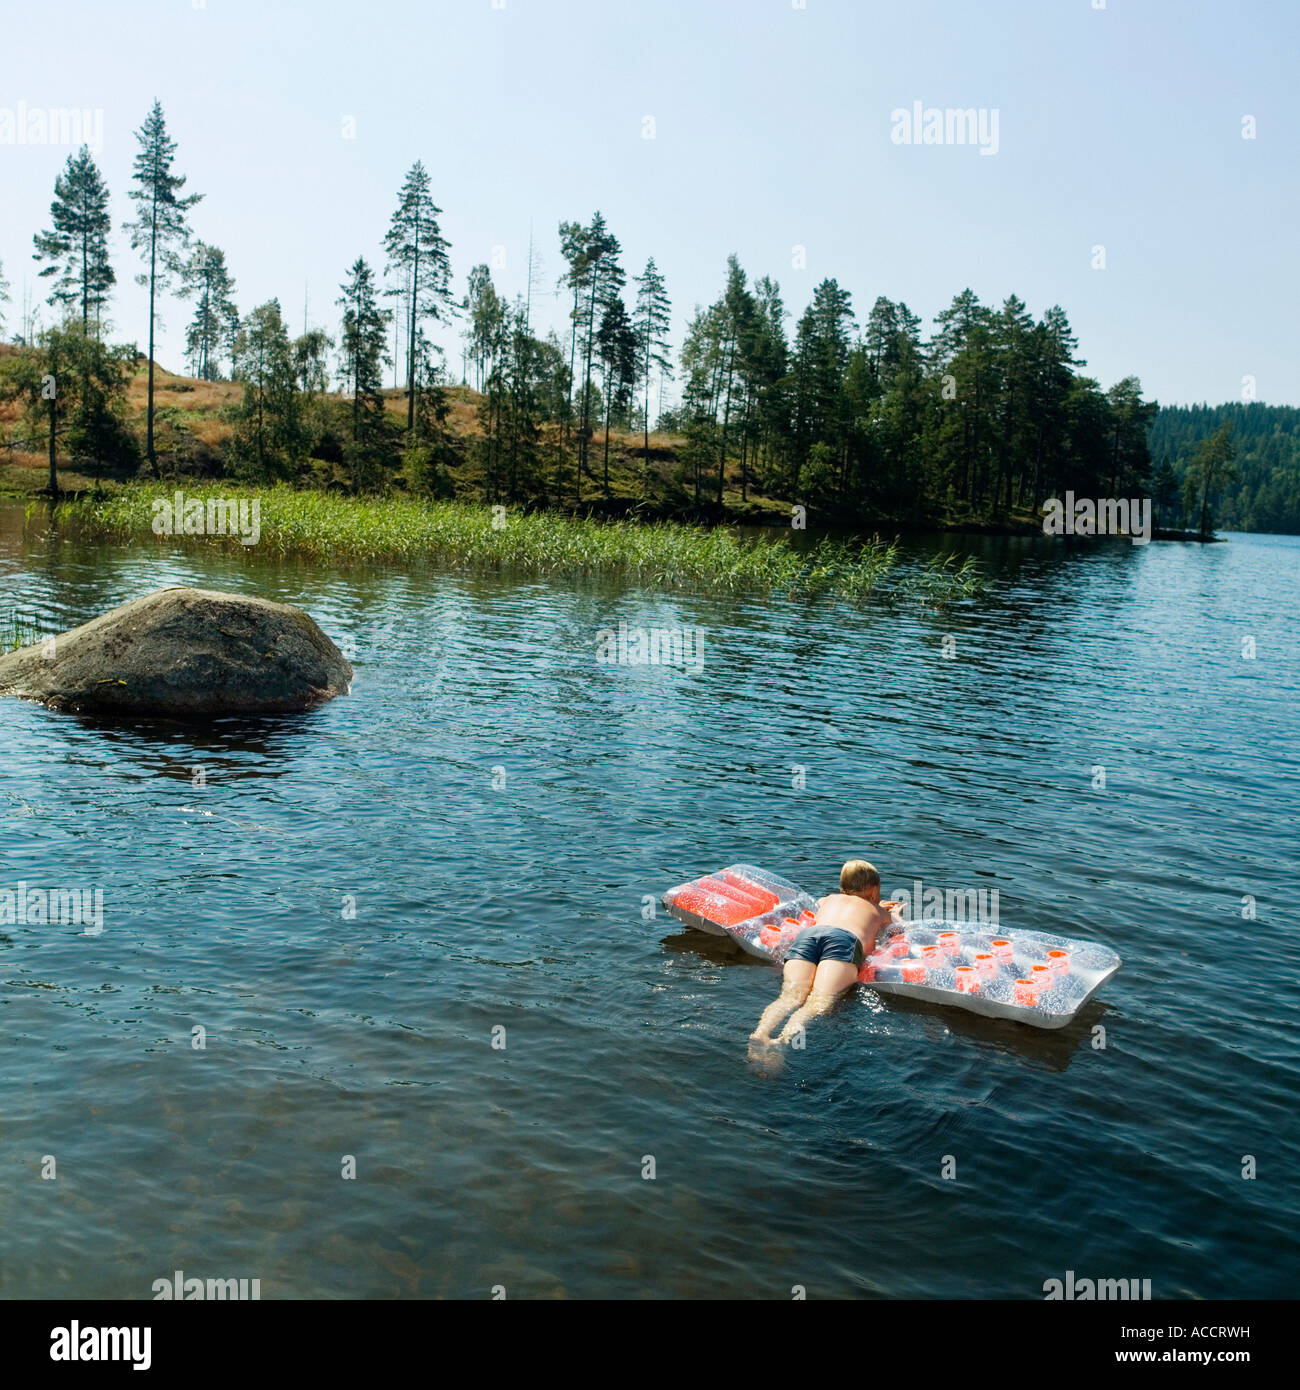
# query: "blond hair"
[[857, 876]]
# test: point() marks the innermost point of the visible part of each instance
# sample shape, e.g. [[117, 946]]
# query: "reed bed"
[[662, 555]]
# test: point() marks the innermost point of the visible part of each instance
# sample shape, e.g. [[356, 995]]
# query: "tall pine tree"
[[604, 280], [617, 345], [415, 248], [76, 246], [160, 228], [573, 247], [652, 317]]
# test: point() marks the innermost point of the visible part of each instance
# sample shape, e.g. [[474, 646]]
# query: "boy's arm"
[[878, 923], [885, 918]]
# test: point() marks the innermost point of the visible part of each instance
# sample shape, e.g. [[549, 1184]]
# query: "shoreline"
[[664, 554], [754, 516]]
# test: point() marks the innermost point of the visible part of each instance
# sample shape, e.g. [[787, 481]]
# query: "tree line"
[[1260, 487], [982, 418], [541, 400]]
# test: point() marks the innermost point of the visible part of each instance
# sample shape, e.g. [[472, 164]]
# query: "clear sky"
[[1117, 127]]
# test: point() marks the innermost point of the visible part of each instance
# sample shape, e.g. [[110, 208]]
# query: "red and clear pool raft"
[[739, 901], [1038, 978]]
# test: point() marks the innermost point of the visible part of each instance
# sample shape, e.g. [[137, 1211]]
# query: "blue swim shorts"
[[816, 944]]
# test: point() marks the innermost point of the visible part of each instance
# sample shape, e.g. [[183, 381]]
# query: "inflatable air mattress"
[[1032, 977]]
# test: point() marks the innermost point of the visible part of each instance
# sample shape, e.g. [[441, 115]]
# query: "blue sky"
[[1118, 127]]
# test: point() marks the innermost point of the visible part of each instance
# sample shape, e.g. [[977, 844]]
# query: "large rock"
[[183, 653]]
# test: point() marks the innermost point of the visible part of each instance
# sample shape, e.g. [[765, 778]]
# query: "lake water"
[[357, 901]]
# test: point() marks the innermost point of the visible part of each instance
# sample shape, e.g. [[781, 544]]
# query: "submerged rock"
[[185, 654]]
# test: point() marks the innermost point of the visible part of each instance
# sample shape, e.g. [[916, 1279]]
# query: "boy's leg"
[[833, 977], [796, 981]]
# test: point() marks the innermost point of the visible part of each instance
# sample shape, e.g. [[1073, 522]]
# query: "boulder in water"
[[183, 653]]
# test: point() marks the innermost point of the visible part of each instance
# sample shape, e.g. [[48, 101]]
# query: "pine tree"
[[415, 246], [874, 459], [821, 356], [429, 450], [1014, 347], [363, 349], [1130, 464], [160, 228], [1164, 490], [963, 350], [485, 312], [770, 359], [525, 375], [904, 410], [311, 371], [573, 247], [492, 410], [617, 346], [4, 296], [737, 315], [216, 319], [1213, 466], [1056, 353], [653, 317], [76, 246], [701, 359], [880, 336], [529, 364], [603, 282], [267, 428]]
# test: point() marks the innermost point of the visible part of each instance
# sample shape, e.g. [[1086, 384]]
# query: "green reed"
[[663, 555]]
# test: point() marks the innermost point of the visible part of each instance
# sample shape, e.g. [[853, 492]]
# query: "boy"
[[826, 957]]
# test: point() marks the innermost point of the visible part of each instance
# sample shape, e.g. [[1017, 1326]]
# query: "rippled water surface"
[[357, 898]]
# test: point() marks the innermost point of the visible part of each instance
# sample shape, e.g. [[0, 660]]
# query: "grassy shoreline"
[[475, 536]]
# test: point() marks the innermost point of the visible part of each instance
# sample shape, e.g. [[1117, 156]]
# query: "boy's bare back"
[[854, 914]]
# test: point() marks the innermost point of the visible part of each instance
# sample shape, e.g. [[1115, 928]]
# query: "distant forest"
[[980, 419], [1265, 493]]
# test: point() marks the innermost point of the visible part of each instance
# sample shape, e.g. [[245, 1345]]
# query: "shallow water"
[[499, 806]]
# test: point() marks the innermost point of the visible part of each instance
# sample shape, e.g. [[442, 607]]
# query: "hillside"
[[192, 426]]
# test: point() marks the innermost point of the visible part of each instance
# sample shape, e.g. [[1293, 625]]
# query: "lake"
[[413, 930]]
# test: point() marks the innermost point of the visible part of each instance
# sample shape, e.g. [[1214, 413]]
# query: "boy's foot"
[[765, 1054]]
